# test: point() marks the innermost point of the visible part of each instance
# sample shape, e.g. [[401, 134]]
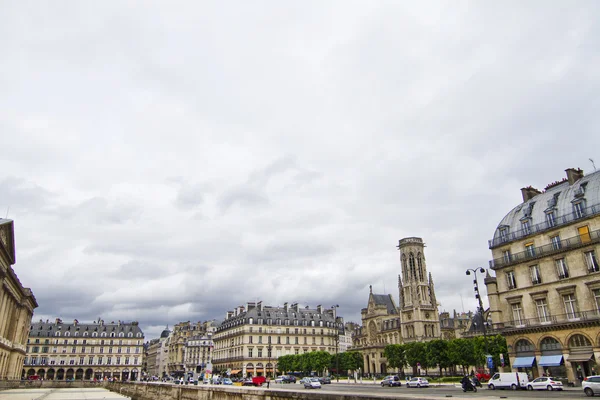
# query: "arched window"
[[139, 335], [250, 321], [420, 265], [112, 334], [85, 333], [524, 345], [549, 343], [579, 341], [67, 333], [130, 334], [94, 334], [121, 334], [411, 264], [103, 334], [57, 333], [404, 270]]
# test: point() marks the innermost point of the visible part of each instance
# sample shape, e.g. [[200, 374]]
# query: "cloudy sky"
[[169, 161]]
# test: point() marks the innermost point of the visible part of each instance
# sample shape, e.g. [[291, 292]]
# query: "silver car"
[[418, 382], [591, 385]]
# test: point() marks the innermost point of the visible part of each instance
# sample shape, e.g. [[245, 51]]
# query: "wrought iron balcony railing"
[[544, 226], [546, 250], [549, 320]]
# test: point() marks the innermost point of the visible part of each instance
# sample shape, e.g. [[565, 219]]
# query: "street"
[[436, 391]]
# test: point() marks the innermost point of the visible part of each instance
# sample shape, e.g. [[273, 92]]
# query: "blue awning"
[[550, 361], [523, 362]]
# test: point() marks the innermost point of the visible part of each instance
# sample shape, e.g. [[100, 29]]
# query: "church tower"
[[419, 318]]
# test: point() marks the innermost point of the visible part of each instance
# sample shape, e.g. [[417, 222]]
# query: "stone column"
[[538, 355], [569, 367], [3, 301]]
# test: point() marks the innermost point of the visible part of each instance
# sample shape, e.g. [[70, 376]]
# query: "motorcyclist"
[[466, 383]]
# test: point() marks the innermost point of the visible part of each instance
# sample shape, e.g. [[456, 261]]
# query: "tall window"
[[411, 263], [591, 262], [578, 210], [510, 280], [503, 234], [555, 242], [561, 268], [530, 249], [551, 219], [596, 293], [542, 310], [517, 314], [570, 305], [260, 352], [536, 278], [506, 256], [250, 352], [526, 227]]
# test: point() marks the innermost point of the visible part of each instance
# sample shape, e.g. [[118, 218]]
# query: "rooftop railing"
[[544, 226], [550, 320], [546, 250]]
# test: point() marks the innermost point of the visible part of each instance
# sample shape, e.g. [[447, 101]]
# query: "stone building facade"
[[60, 351], [155, 369], [545, 295], [415, 319], [16, 307], [251, 338], [198, 353], [182, 332]]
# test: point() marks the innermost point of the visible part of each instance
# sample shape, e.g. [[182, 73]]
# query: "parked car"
[[545, 383], [591, 385], [324, 380], [391, 380], [483, 377], [281, 379], [312, 383], [418, 382], [508, 380], [227, 381]]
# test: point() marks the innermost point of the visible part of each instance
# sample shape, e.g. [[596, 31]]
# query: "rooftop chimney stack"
[[529, 193], [573, 175]]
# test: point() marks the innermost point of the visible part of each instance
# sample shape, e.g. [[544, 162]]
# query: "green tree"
[[416, 353], [285, 363], [437, 354], [319, 360], [462, 352], [396, 355]]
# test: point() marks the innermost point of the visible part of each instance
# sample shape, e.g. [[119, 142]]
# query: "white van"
[[508, 380]]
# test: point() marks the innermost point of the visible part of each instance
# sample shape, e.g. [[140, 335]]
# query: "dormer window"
[[551, 218], [578, 208], [526, 226], [504, 233]]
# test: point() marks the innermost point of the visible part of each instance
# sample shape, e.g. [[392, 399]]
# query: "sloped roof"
[[385, 300]]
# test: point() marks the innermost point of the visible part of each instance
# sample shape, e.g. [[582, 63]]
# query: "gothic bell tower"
[[419, 317]]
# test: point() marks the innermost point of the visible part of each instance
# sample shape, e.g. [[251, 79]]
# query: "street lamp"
[[337, 342], [478, 297], [269, 347]]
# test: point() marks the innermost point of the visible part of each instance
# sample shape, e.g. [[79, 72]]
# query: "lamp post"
[[337, 341], [478, 297], [269, 347]]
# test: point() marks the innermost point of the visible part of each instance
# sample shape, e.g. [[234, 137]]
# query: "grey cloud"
[[242, 196]]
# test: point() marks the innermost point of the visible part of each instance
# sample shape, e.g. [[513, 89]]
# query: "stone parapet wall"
[[16, 384], [151, 391]]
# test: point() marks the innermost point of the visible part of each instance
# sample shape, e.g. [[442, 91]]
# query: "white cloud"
[[170, 163]]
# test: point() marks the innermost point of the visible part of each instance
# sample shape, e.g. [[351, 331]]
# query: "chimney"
[[295, 307], [573, 175], [58, 321], [250, 305], [75, 322], [285, 307], [529, 193], [259, 306], [230, 314], [320, 309]]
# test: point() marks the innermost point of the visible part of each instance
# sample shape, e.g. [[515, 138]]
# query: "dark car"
[[391, 380], [324, 380], [291, 378]]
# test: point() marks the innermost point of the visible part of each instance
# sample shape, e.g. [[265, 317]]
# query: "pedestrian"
[[268, 382]]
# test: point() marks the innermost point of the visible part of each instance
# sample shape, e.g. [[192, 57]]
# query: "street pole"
[[481, 311], [337, 343]]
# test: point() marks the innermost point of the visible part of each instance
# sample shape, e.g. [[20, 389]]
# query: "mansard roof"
[[558, 196], [121, 329], [385, 300]]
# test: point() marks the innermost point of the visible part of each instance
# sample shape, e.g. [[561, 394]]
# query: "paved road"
[[436, 392], [60, 394]]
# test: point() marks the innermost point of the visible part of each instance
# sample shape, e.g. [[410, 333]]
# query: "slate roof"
[[559, 196], [49, 329], [385, 300], [278, 313]]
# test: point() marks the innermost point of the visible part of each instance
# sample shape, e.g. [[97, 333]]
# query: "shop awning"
[[235, 371], [523, 362], [580, 357], [550, 361]]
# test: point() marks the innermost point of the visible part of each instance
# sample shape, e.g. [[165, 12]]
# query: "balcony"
[[551, 320], [544, 226], [546, 250]]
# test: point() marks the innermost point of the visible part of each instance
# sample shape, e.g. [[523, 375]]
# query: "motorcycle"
[[469, 387]]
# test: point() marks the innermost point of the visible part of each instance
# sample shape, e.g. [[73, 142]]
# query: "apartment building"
[[251, 338], [545, 295], [16, 307], [61, 351]]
